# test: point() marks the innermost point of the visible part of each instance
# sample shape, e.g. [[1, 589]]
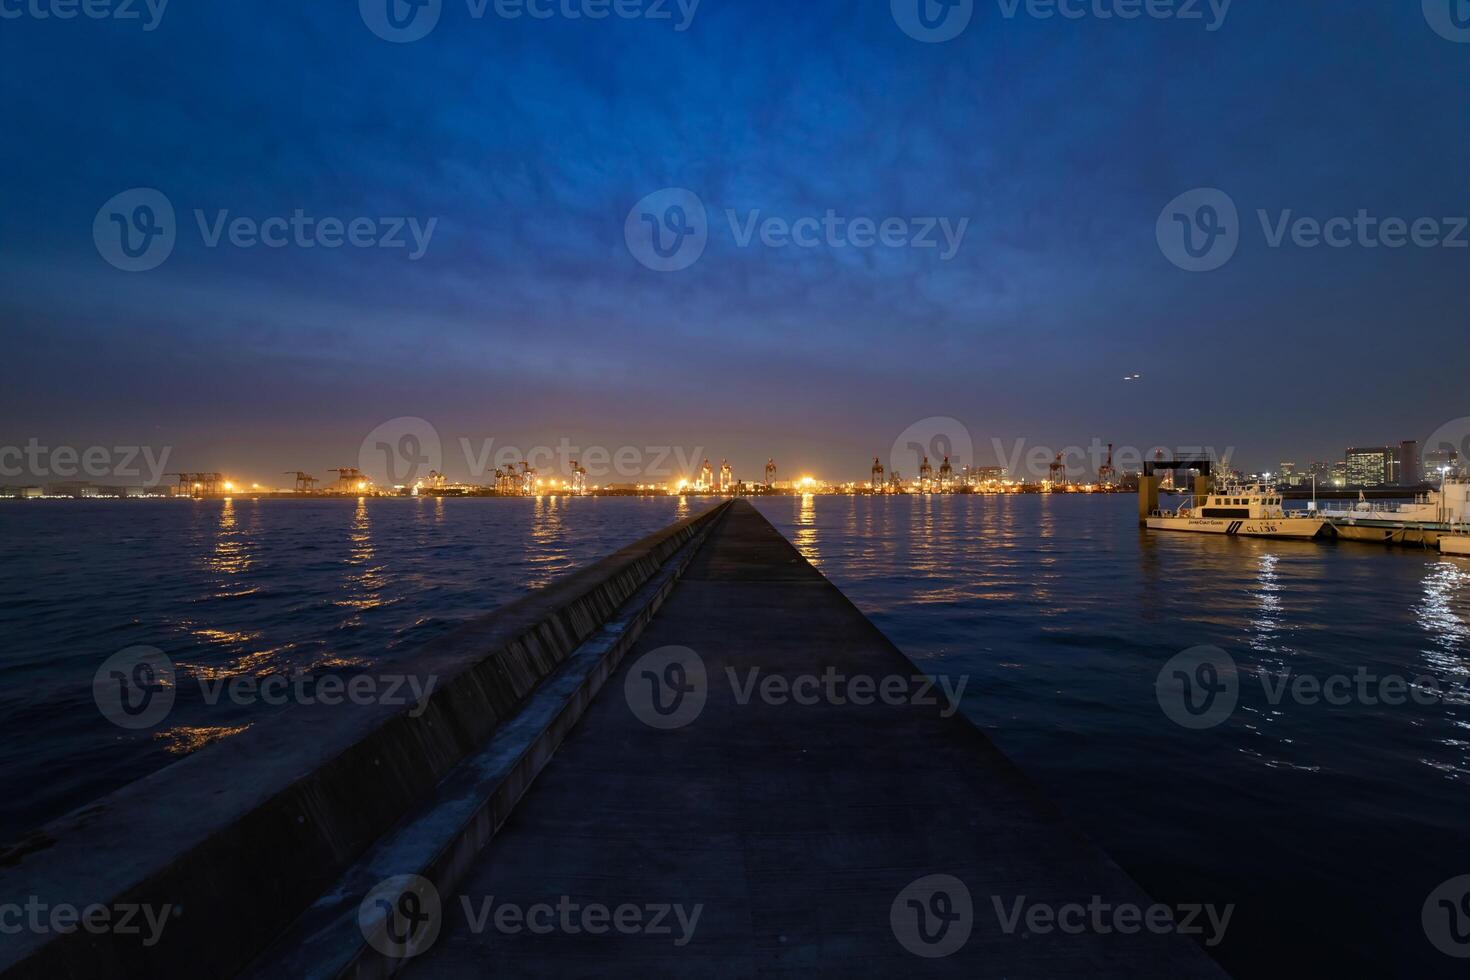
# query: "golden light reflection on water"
[[183, 739], [805, 530], [363, 585], [231, 555]]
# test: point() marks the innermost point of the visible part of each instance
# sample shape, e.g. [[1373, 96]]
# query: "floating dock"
[[856, 834]]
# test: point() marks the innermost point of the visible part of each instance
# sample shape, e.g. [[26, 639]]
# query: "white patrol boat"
[[1253, 510], [1422, 522], [1456, 543]]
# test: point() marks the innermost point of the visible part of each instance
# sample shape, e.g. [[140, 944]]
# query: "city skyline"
[[498, 290]]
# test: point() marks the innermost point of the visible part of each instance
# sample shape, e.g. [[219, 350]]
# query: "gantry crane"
[[305, 483]]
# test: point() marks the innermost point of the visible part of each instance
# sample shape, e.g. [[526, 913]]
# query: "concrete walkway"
[[798, 830]]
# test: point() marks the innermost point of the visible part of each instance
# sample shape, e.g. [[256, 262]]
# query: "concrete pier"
[[694, 758], [796, 827]]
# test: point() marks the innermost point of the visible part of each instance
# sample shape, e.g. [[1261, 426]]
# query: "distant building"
[[1377, 466], [1437, 461], [975, 475], [1409, 464]]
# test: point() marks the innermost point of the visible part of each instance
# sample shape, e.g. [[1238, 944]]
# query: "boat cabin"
[[1253, 502]]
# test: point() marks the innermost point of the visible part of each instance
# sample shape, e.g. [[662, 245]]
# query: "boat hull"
[[1455, 544], [1300, 528], [1390, 532]]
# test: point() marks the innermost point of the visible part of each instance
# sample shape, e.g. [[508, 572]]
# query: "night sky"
[[528, 319]]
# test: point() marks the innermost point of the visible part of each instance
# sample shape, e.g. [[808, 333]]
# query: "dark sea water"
[[1327, 826]]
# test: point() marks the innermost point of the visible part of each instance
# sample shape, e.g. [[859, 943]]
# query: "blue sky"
[[529, 320]]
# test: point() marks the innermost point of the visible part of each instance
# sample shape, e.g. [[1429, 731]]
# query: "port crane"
[[770, 473], [1057, 472], [877, 474], [305, 482], [200, 483], [350, 477], [1107, 474]]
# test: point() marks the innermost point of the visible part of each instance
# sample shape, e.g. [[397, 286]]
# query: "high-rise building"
[[1372, 467], [1438, 461], [1409, 464]]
